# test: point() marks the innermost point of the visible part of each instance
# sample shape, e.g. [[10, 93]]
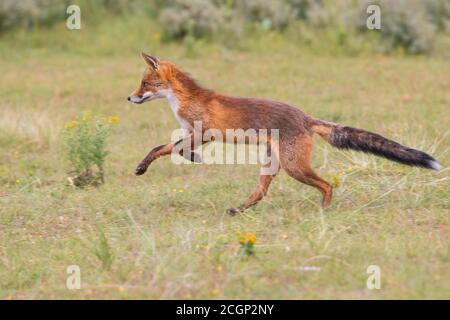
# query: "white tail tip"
[[435, 165]]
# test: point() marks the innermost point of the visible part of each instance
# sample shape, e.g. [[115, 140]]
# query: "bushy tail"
[[343, 137]]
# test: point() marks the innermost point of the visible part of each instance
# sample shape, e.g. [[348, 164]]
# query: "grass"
[[165, 235]]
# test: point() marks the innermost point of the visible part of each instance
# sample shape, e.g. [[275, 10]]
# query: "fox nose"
[[129, 98]]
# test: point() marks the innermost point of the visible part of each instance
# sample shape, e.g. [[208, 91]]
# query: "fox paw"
[[233, 211], [140, 169]]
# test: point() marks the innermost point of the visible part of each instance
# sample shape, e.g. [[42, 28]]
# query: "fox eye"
[[145, 83]]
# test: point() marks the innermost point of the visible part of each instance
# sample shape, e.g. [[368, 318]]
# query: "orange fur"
[[218, 111]]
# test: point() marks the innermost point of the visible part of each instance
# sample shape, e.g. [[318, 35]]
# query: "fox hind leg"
[[261, 190], [297, 164], [309, 177]]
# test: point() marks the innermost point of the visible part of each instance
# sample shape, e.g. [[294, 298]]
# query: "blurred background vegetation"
[[411, 26]]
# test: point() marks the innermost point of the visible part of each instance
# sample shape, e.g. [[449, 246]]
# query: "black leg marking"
[[143, 165]]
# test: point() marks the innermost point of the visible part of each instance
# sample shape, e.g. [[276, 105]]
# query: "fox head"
[[154, 83]]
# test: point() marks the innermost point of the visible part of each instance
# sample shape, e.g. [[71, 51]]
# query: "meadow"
[[166, 235]]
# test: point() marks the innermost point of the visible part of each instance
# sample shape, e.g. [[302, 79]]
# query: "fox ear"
[[151, 61]]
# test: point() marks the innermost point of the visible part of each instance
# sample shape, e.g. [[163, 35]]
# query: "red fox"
[[191, 102]]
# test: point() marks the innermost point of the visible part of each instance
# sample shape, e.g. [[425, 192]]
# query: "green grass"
[[165, 234]]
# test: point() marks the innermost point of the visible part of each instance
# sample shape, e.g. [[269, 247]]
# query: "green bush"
[[17, 13], [103, 250], [405, 24], [201, 18], [408, 28], [198, 18], [86, 148], [269, 14], [302, 7], [439, 12], [28, 13]]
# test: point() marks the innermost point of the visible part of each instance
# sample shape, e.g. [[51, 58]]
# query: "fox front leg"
[[166, 149], [154, 154]]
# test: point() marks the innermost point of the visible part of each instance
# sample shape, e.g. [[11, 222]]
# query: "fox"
[[191, 102]]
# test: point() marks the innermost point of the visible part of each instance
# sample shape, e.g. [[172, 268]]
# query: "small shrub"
[[233, 23], [17, 13], [301, 7], [404, 24], [318, 15], [86, 148], [269, 14], [26, 13], [439, 12], [333, 14], [407, 25], [103, 251], [225, 18], [197, 18]]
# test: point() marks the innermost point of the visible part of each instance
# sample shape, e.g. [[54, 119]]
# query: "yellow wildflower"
[[113, 119], [336, 182], [72, 124], [249, 237], [87, 115]]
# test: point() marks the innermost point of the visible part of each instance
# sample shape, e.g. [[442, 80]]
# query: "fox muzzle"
[[145, 97]]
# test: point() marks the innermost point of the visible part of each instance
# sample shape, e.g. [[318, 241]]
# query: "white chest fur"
[[174, 105]]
